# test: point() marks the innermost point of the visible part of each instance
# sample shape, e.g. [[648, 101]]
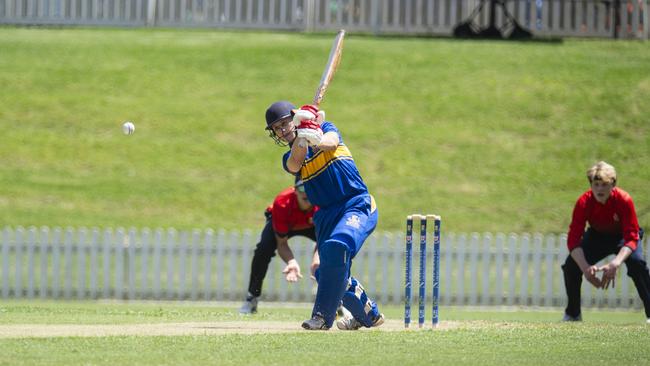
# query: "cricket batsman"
[[347, 213]]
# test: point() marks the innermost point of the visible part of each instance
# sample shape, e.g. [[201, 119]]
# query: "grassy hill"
[[493, 136]]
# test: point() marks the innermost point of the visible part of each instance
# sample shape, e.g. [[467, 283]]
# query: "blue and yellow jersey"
[[330, 176]]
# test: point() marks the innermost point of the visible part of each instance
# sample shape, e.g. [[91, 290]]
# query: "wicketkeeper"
[[290, 214]]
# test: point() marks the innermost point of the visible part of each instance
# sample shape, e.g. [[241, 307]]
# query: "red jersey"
[[287, 216], [616, 216]]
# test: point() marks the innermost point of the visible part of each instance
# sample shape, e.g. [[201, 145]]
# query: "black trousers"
[[597, 246], [265, 250]]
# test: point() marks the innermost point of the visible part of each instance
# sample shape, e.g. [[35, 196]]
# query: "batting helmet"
[[277, 111]]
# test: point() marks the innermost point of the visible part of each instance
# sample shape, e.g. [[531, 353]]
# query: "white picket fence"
[[476, 269], [578, 18]]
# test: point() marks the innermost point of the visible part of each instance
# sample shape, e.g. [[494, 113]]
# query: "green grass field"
[[494, 136], [485, 337]]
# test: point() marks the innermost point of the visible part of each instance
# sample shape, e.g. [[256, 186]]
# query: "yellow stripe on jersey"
[[321, 160], [373, 204]]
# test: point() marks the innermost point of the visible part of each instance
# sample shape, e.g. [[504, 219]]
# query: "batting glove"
[[312, 135], [308, 113]]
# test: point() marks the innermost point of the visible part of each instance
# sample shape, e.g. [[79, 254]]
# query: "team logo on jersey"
[[353, 221], [616, 217]]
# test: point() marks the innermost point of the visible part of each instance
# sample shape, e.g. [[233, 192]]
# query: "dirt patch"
[[177, 329]]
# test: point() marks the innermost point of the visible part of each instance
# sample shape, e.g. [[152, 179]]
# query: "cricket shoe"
[[317, 322], [249, 306], [647, 321], [349, 323], [569, 318]]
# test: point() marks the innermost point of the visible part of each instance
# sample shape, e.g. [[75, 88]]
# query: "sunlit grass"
[[493, 136]]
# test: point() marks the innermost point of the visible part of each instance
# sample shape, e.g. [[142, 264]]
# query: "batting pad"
[[359, 305], [332, 274]]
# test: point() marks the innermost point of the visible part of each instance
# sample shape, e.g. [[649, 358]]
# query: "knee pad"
[[334, 253], [332, 279], [348, 240]]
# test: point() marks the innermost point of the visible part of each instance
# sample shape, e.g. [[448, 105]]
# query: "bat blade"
[[332, 63]]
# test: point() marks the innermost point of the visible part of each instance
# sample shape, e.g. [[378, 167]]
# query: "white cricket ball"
[[128, 128]]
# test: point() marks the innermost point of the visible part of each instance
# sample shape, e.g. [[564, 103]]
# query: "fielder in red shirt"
[[289, 215], [613, 229]]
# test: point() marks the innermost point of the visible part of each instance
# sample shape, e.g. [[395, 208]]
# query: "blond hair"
[[603, 172]]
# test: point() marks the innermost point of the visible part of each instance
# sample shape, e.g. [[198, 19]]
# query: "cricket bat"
[[330, 68]]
